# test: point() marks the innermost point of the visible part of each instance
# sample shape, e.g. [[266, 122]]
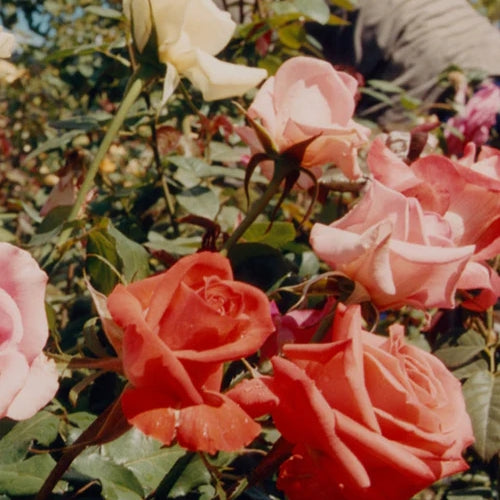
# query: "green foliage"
[[482, 397]]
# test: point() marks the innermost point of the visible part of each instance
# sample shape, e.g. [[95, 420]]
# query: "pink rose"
[[465, 193], [398, 252], [308, 98], [475, 120], [368, 417], [297, 326], [28, 380]]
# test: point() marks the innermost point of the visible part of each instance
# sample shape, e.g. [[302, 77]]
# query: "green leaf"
[[60, 141], [201, 169], [385, 86], [26, 477], [317, 10], [42, 428], [276, 236], [292, 35], [146, 457], [118, 482], [134, 257], [470, 344], [199, 200], [379, 96], [86, 123], [409, 102], [178, 246], [102, 257], [470, 369], [196, 476], [482, 398]]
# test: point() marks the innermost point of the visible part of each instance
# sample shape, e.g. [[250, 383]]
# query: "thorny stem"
[[258, 206], [133, 91]]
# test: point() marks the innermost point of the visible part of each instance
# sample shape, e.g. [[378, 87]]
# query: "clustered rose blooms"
[[465, 193], [475, 120], [189, 33], [28, 380], [179, 327], [369, 417], [420, 232], [309, 99]]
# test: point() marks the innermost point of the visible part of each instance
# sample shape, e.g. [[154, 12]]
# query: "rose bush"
[[398, 252], [369, 417], [465, 193], [179, 327], [309, 99], [28, 380], [189, 33]]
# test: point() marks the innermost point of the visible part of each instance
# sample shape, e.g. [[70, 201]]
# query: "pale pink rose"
[[475, 120], [398, 252], [28, 380], [308, 98], [465, 193]]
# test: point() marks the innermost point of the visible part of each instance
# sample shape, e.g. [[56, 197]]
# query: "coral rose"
[[399, 253], [28, 380], [369, 417], [308, 98], [179, 327]]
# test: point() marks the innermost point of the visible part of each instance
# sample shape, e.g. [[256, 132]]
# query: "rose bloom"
[[296, 326], [465, 193], [179, 327], [369, 417], [475, 120], [309, 98], [189, 34], [28, 380], [396, 251]]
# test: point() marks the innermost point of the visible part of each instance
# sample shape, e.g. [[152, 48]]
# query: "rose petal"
[[39, 387]]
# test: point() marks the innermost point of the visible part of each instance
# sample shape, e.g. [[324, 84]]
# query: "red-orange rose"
[[179, 327], [369, 417]]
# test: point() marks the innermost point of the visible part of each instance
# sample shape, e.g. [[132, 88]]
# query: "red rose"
[[179, 327], [369, 417]]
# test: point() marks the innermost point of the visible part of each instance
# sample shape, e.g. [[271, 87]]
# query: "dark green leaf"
[[178, 246], [276, 236], [56, 142], [199, 200], [147, 458], [118, 482], [482, 397], [134, 257], [26, 477], [102, 257], [42, 428], [470, 344]]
